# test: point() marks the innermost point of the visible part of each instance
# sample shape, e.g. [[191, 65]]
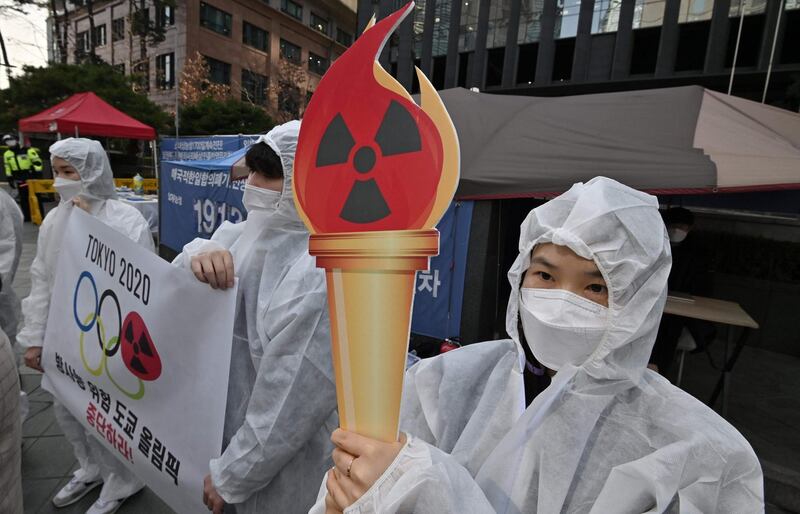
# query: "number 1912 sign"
[[210, 214]]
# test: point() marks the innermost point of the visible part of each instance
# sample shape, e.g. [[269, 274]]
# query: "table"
[[147, 205], [728, 313]]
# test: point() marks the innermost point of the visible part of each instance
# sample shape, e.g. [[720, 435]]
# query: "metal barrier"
[[46, 186]]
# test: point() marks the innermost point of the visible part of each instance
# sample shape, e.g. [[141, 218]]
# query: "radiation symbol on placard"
[[138, 351], [397, 135]]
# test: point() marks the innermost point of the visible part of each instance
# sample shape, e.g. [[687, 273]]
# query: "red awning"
[[91, 115]]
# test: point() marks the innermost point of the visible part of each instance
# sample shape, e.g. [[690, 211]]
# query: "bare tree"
[[288, 87], [196, 84]]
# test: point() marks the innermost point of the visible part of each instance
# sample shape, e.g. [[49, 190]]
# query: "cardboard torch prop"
[[374, 173]]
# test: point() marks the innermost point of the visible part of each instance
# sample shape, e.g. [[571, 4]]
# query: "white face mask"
[[677, 235], [561, 327], [11, 142], [260, 199], [67, 189]]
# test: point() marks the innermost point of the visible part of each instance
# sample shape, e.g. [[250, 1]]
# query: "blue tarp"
[[196, 197]]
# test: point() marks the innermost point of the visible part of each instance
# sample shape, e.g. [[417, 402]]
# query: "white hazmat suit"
[[606, 436], [97, 187], [10, 250], [281, 405]]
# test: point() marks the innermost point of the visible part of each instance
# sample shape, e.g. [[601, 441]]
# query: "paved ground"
[[764, 406]]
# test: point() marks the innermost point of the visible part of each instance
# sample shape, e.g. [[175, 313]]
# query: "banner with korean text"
[[440, 290], [138, 350]]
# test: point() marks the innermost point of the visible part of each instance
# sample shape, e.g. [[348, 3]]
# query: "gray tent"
[[676, 140]]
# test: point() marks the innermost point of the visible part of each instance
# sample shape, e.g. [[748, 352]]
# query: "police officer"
[[21, 164]]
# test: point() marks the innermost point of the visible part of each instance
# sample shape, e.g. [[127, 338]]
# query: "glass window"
[[81, 43], [530, 24], [290, 52], [292, 9], [215, 19], [118, 29], [165, 71], [343, 38], [165, 17], [792, 4], [289, 100], [219, 71], [469, 24], [255, 37], [605, 17], [140, 23], [255, 87], [441, 27], [99, 35], [142, 78], [567, 12], [319, 23], [696, 10], [317, 64], [648, 13], [748, 6]]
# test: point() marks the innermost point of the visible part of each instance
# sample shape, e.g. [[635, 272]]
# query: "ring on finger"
[[349, 466]]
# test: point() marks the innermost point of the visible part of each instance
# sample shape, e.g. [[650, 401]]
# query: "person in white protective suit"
[[83, 179], [281, 406], [607, 435], [10, 432], [11, 220], [10, 250]]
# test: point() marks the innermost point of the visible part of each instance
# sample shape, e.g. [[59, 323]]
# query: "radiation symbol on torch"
[[369, 158]]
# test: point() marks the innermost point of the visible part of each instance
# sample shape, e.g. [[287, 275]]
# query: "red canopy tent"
[[86, 114]]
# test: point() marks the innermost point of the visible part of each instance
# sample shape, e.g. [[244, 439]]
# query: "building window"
[[215, 19], [81, 44], [317, 64], [119, 68], [319, 23], [343, 38], [530, 24], [99, 35], [255, 37], [749, 7], [165, 71], [792, 5], [142, 72], [219, 71], [255, 87], [290, 52], [696, 10], [567, 12], [293, 9], [165, 17], [648, 13], [140, 22], [118, 29], [605, 17], [289, 100]]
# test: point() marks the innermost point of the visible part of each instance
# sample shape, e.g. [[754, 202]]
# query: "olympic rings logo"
[[138, 353]]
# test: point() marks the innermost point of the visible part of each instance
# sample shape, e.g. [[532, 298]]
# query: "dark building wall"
[[564, 47]]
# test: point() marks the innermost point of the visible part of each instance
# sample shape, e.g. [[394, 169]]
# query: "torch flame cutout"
[[369, 158], [374, 173]]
